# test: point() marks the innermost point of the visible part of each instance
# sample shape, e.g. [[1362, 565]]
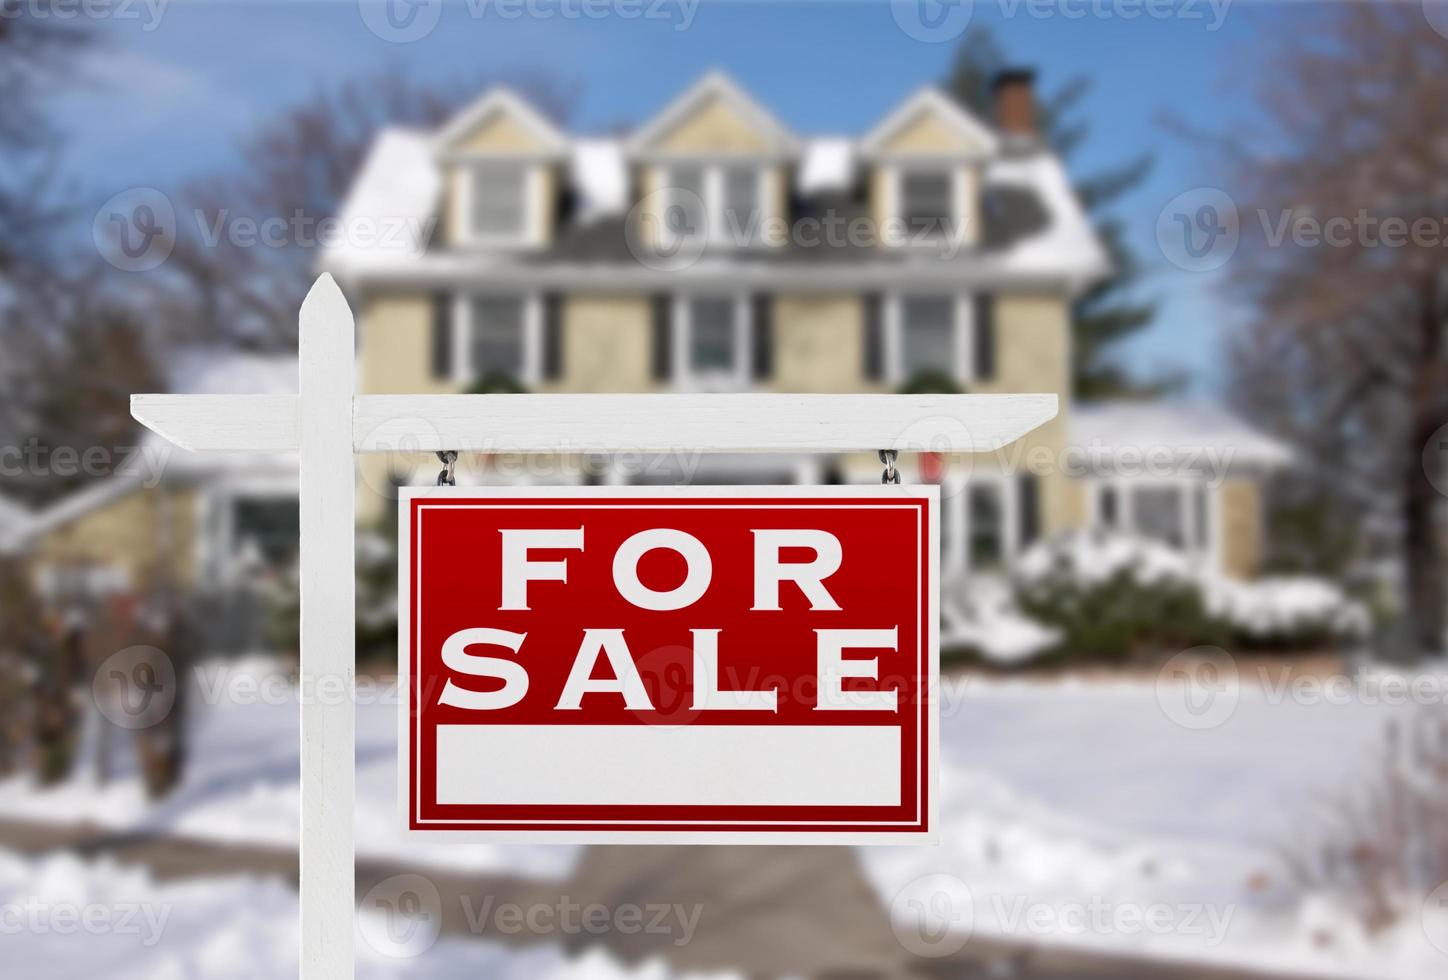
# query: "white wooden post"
[[326, 423], [327, 502]]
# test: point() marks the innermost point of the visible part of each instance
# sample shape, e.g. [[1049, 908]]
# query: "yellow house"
[[713, 249]]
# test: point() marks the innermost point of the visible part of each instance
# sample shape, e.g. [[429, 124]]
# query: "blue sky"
[[155, 106]]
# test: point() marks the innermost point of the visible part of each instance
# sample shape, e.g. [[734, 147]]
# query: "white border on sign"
[[931, 682]]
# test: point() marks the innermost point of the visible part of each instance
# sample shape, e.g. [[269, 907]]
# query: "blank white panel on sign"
[[719, 765]]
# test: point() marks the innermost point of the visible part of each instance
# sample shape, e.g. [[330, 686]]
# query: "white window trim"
[[963, 368], [717, 230], [215, 517], [1211, 554], [955, 497], [684, 377], [893, 205], [529, 236], [463, 371]]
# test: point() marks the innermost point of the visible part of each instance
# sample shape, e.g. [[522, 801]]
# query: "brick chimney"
[[1015, 103]]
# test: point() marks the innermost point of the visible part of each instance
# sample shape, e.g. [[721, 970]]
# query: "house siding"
[[713, 128], [132, 533], [606, 345], [1241, 535], [819, 344]]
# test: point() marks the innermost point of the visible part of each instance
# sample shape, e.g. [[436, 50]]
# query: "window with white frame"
[[1177, 513], [986, 529], [741, 210], [927, 201], [929, 333], [978, 530], [498, 202], [721, 203], [712, 342], [499, 337]]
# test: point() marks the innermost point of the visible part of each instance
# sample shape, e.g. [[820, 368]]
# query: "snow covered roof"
[[1123, 431], [828, 165], [1068, 245], [389, 220]]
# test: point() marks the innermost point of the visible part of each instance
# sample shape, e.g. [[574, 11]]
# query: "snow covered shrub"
[[1288, 613], [1112, 597], [981, 621], [1382, 847]]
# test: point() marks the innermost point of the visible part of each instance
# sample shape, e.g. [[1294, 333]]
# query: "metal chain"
[[888, 457], [448, 458]]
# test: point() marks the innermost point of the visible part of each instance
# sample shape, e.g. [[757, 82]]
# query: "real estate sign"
[[702, 664]]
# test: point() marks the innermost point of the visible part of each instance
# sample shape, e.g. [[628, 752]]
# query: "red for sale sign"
[[708, 664]]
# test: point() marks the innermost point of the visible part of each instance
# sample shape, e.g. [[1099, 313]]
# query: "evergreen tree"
[[1112, 309]]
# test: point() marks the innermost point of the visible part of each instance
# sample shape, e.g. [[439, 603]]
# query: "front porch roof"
[[1130, 431]]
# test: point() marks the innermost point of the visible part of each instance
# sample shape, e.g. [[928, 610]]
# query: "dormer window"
[[721, 203], [927, 202], [927, 159], [501, 162], [741, 210], [499, 201]]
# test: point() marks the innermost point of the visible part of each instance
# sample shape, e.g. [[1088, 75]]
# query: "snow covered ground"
[[1071, 811], [63, 918], [1062, 802]]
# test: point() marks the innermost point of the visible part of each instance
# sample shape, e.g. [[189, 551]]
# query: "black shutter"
[[874, 353], [985, 337], [761, 323], [552, 336], [442, 336], [663, 337], [1029, 508]]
